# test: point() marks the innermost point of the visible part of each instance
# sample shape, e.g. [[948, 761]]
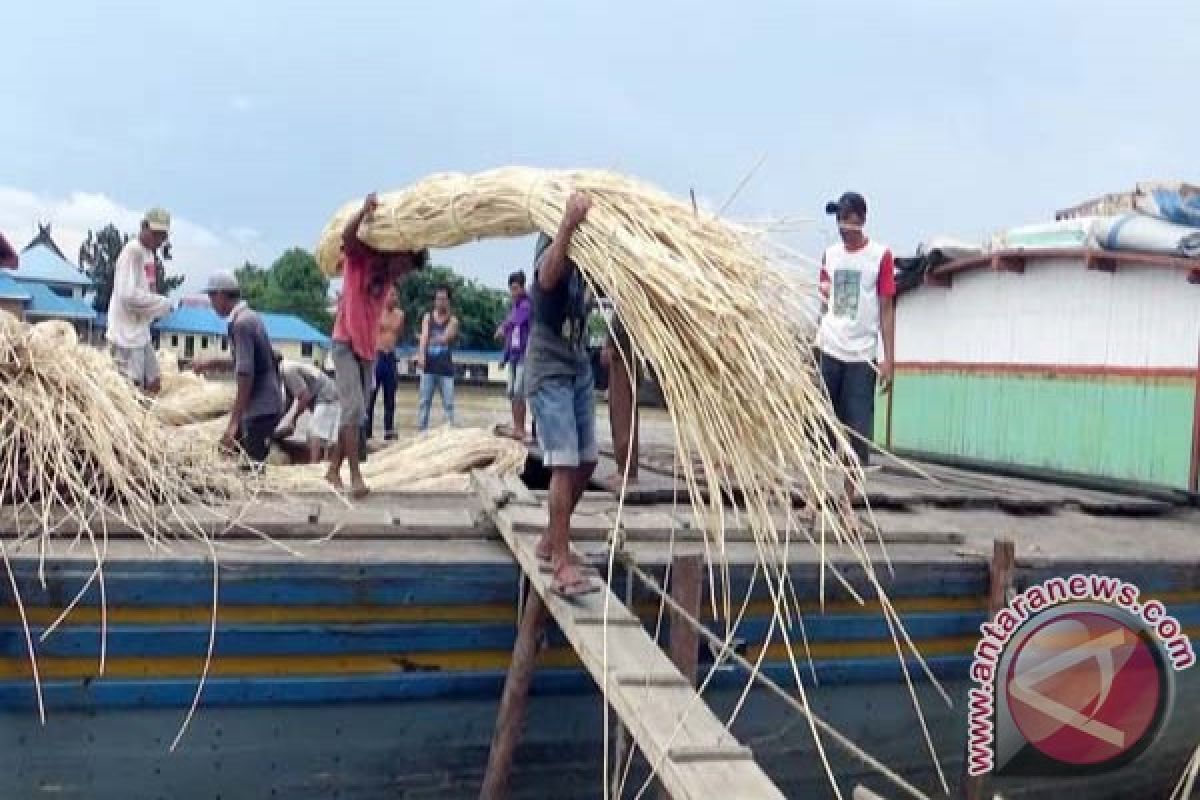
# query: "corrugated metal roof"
[[11, 290], [42, 265], [45, 303], [204, 321]]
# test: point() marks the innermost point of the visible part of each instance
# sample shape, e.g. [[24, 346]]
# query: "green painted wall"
[[1116, 427]]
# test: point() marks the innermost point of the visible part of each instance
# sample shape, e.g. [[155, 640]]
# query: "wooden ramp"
[[694, 756]]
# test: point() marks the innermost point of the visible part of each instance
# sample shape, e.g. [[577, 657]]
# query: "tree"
[[480, 310], [253, 281], [98, 256], [294, 284]]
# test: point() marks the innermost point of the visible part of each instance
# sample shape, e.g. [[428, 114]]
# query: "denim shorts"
[[565, 412]]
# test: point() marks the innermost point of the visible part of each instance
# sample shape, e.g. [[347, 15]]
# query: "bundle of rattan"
[[725, 329], [440, 459], [186, 397], [196, 401]]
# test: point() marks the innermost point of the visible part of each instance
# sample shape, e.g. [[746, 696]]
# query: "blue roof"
[[204, 321], [40, 264], [46, 303], [11, 290]]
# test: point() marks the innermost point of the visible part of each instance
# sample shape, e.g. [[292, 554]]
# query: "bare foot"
[[334, 480], [614, 482], [359, 489], [569, 582]]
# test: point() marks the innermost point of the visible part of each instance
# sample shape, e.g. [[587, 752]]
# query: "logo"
[[1067, 685]]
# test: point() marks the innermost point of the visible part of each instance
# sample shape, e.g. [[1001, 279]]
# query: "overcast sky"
[[253, 121]]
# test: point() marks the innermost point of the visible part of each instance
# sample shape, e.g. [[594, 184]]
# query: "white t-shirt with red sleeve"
[[853, 281]]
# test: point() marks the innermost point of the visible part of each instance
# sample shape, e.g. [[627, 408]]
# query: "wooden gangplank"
[[692, 752]]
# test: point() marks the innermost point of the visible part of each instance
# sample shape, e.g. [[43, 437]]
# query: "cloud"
[[197, 250], [245, 236]]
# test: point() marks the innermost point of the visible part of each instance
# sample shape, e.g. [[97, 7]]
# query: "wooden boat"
[[369, 663]]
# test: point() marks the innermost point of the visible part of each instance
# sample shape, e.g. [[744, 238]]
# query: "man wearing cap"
[[135, 303], [367, 276], [859, 287], [258, 404]]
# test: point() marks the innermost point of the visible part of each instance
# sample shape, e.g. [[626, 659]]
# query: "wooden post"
[[512, 702], [687, 583], [1003, 570], [686, 588]]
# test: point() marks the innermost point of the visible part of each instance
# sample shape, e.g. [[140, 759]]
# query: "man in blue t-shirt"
[[558, 380]]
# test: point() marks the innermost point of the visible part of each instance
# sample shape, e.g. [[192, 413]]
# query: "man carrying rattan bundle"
[[558, 375], [135, 303], [367, 277], [859, 285]]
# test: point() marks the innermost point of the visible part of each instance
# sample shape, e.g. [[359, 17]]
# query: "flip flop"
[[574, 589], [572, 557]]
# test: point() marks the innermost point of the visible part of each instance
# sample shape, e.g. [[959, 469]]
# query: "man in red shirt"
[[367, 276]]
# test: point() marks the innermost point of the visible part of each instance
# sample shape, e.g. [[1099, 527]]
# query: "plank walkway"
[[897, 487], [671, 724]]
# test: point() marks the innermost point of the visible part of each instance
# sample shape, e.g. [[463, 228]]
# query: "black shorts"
[[256, 434], [851, 387]]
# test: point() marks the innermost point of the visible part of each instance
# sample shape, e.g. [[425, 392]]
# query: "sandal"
[[576, 588]]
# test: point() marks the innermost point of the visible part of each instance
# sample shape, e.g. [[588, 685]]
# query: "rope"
[[833, 733]]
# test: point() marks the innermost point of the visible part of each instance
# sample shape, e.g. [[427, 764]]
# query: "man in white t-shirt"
[[859, 286], [135, 303]]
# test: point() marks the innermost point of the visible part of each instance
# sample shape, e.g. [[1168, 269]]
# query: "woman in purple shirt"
[[514, 332]]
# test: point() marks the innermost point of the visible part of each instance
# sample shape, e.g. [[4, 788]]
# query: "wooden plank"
[[658, 717], [442, 523], [685, 755], [651, 487], [525, 519]]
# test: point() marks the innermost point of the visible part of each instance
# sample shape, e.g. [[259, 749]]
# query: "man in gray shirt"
[[309, 389], [258, 403], [558, 375]]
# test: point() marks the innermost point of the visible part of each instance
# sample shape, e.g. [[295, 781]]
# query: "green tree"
[[98, 256], [253, 281], [480, 310], [294, 284]]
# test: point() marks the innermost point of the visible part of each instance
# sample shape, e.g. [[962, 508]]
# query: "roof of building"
[[11, 290], [44, 239], [40, 264], [206, 322], [45, 303]]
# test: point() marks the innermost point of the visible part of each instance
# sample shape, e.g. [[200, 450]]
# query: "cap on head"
[[158, 220], [225, 282], [848, 203]]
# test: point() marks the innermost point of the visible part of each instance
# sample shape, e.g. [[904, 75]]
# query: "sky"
[[254, 122]]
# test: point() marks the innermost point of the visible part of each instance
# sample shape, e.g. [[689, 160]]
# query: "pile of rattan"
[[439, 460], [187, 397], [81, 450]]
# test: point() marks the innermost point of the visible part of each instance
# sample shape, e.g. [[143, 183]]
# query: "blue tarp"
[[1173, 206]]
